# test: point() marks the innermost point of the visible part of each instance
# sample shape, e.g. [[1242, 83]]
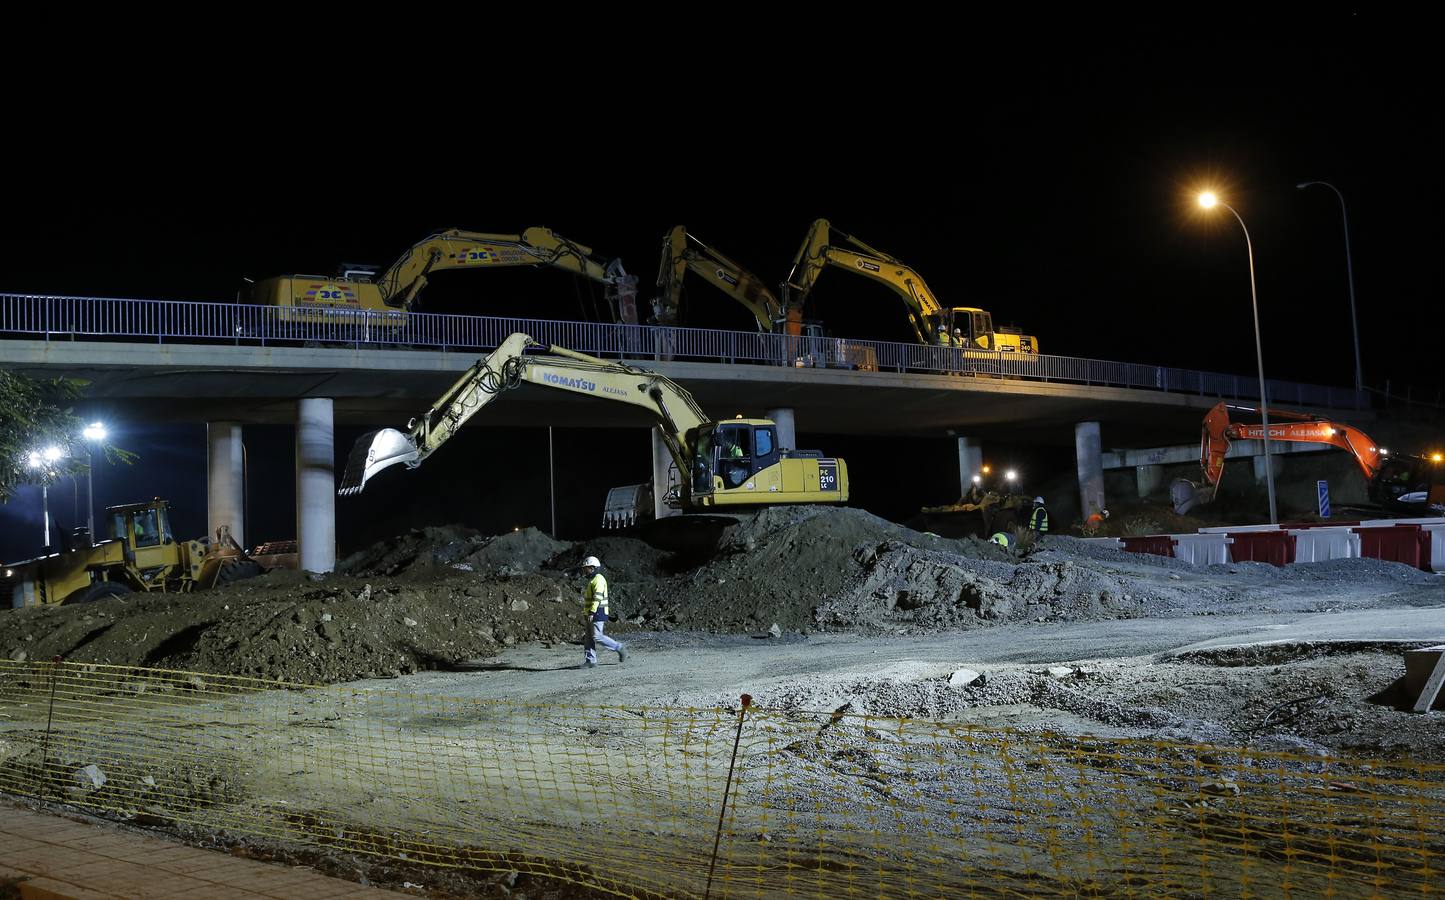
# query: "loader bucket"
[[373, 452]]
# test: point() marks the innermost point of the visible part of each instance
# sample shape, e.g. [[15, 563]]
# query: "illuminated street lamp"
[[1350, 273], [94, 433], [1209, 200], [43, 460]]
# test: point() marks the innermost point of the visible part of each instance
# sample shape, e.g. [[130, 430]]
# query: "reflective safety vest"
[[595, 595], [1001, 539], [1039, 520]]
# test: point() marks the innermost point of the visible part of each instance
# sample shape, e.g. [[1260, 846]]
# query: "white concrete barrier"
[[1223, 529], [1111, 543], [1320, 544], [1437, 546], [1202, 549]]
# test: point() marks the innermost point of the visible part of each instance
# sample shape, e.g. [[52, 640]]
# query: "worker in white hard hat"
[[594, 601], [1039, 518]]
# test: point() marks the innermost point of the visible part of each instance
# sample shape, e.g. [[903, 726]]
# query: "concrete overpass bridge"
[[228, 365]]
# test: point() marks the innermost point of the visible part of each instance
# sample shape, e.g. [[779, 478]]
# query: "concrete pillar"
[[1259, 468], [1149, 478], [970, 463], [661, 462], [315, 485], [1089, 452], [225, 480], [787, 427]]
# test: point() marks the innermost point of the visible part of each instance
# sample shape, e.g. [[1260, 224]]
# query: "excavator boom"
[[1218, 431], [683, 253], [676, 413], [454, 249]]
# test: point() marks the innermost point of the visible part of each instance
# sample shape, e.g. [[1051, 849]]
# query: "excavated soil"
[[435, 597]]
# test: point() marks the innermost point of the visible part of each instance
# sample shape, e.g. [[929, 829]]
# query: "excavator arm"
[[681, 253], [456, 249], [677, 415], [1218, 431], [817, 252]]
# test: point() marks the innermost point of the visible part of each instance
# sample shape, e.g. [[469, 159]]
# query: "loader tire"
[[238, 571], [101, 590]]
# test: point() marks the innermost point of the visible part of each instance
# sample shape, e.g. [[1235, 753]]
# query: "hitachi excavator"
[[1399, 482], [683, 253], [930, 320], [388, 295], [720, 465]]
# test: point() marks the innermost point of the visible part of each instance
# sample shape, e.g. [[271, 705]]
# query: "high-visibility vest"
[[595, 594], [1001, 539], [1039, 520]]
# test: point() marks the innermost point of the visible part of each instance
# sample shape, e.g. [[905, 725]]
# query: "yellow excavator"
[[721, 465], [362, 294], [683, 253], [932, 322]]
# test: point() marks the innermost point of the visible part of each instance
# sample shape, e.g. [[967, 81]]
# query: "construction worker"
[[1096, 519], [1039, 518], [735, 470], [999, 538], [594, 601]]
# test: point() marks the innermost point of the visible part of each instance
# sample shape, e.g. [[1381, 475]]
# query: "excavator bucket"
[[372, 452], [628, 506]]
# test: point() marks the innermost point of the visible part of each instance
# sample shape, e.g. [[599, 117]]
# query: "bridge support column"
[[1089, 452], [225, 480], [661, 463], [1260, 470], [970, 462], [787, 427], [1149, 479], [315, 485]]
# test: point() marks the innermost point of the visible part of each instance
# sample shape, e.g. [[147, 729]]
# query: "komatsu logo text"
[[577, 384]]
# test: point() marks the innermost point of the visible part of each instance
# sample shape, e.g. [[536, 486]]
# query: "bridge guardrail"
[[206, 322]]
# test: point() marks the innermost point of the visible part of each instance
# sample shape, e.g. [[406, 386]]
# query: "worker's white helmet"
[[1039, 500], [592, 562]]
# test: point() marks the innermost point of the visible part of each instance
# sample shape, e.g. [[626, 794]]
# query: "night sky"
[[1047, 180]]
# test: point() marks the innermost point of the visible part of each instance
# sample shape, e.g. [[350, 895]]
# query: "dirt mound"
[[337, 629], [517, 552], [903, 585], [623, 558], [421, 548], [782, 567]]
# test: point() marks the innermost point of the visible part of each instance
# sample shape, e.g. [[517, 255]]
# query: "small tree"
[[34, 415]]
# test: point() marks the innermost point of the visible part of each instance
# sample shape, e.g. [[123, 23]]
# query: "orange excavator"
[[1402, 482]]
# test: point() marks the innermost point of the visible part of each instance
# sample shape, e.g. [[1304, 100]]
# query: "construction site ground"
[[822, 610]]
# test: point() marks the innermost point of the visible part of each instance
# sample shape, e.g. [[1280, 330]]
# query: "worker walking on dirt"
[[594, 600], [1039, 518]]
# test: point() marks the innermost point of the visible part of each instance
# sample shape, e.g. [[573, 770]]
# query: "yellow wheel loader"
[[141, 554], [732, 464]]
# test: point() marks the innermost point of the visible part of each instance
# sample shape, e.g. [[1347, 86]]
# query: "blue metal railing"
[[103, 318]]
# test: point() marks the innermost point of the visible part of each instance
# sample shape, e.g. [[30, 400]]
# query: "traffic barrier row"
[[1419, 543]]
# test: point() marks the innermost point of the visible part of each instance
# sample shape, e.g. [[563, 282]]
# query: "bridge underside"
[[189, 383]]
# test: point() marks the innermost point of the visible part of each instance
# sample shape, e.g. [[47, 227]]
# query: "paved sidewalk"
[[60, 859]]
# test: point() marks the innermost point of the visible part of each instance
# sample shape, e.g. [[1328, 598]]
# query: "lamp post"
[[1208, 200], [93, 434], [43, 460], [1350, 273]]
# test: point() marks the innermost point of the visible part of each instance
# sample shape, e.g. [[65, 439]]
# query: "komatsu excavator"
[[720, 465], [930, 320], [388, 295], [1400, 482], [683, 253]]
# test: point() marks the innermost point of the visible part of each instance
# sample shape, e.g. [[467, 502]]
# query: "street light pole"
[[95, 431], [1350, 273], [1207, 200]]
